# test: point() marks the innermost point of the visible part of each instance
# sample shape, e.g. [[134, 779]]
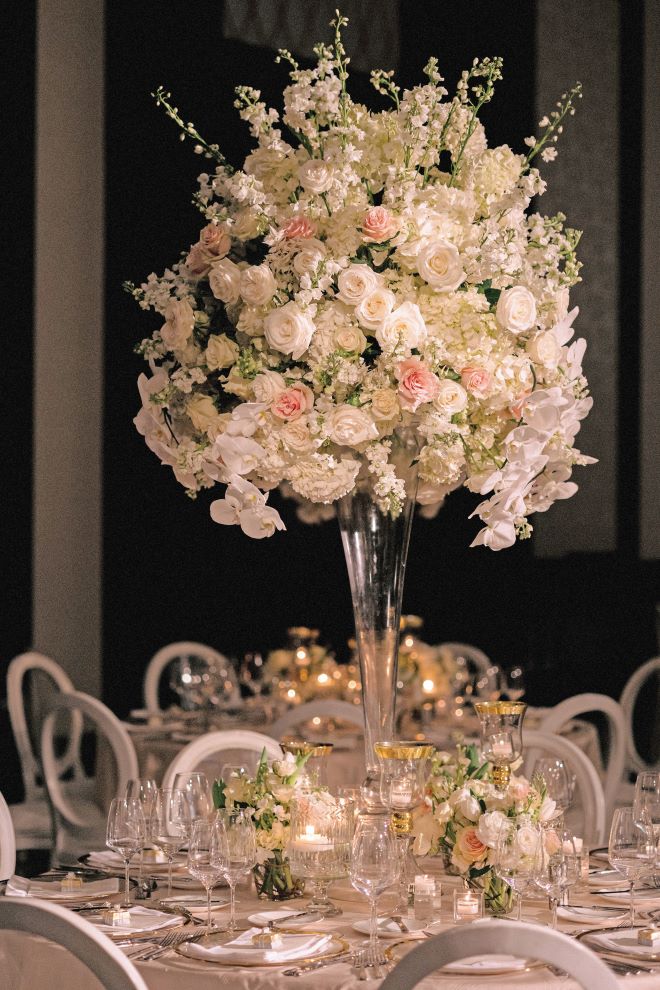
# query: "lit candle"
[[468, 906], [501, 746], [428, 686], [401, 794], [312, 841]]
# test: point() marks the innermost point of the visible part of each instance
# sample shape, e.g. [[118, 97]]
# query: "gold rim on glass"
[[403, 749], [298, 747], [500, 707]]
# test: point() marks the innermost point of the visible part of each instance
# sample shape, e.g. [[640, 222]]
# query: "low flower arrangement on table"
[[462, 815], [269, 795]]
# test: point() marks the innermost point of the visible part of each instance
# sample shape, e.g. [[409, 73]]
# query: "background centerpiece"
[[370, 318]]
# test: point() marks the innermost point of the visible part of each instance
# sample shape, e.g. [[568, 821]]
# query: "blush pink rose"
[[417, 384], [470, 845], [299, 227], [379, 225], [293, 402], [215, 239], [519, 789], [476, 381]]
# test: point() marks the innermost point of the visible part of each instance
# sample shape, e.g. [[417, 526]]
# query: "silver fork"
[[371, 958], [169, 941]]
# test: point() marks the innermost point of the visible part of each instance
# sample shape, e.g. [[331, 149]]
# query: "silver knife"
[[319, 964]]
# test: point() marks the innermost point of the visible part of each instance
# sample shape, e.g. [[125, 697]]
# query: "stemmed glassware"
[[125, 834], [516, 852], [170, 825], [197, 789], [557, 866], [558, 783], [632, 847], [204, 858], [236, 853], [144, 790], [647, 798], [374, 863], [319, 847]]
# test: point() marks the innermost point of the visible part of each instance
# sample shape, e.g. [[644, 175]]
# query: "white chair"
[[587, 781], [32, 817], [234, 746], [472, 654], [326, 708], [79, 820], [628, 701], [50, 921], [167, 655], [502, 937], [582, 704], [7, 843]]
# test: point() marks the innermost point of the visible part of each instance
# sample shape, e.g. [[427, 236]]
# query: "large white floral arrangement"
[[362, 271]]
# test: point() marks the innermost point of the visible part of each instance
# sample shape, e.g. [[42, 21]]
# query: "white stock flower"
[[224, 281], [257, 285], [374, 308], [405, 326], [439, 264], [516, 309], [323, 478], [451, 397], [221, 352], [356, 282], [288, 329], [316, 176], [349, 426]]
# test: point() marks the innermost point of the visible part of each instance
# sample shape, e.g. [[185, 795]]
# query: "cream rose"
[[289, 330], [469, 845], [417, 384], [299, 227], [516, 309], [349, 426], [385, 405], [379, 225], [404, 326], [350, 339], [296, 437], [221, 352], [203, 414], [245, 225], [451, 397], [293, 402], [309, 257], [374, 308], [355, 282], [316, 176], [224, 281], [179, 323], [257, 285], [544, 349], [439, 264], [268, 385]]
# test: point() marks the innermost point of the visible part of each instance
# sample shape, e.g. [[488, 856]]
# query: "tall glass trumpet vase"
[[376, 547]]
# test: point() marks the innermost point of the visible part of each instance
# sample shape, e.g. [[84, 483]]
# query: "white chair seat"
[[32, 824]]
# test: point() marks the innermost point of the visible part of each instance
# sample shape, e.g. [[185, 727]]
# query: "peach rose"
[[379, 225], [476, 381], [417, 384], [293, 402], [469, 845], [299, 227]]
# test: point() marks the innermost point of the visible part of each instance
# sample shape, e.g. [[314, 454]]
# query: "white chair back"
[[502, 937], [628, 701], [7, 843], [583, 704], [50, 921], [78, 821], [19, 667], [213, 749], [326, 708], [167, 655], [472, 654], [588, 782]]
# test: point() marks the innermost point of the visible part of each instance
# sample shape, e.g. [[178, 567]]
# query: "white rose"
[[267, 386], [224, 280], [296, 437], [221, 352], [309, 257], [489, 827], [439, 264], [516, 309], [451, 397], [355, 282], [257, 285], [203, 414], [544, 349], [289, 330], [385, 405], [349, 426], [403, 326], [180, 320], [374, 308], [527, 840], [245, 225], [316, 176], [350, 339]]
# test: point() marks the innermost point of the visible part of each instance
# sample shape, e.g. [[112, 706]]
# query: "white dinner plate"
[[591, 914], [622, 941]]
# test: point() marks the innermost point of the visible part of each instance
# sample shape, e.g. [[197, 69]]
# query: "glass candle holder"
[[500, 724], [319, 845], [315, 771], [424, 897], [468, 905]]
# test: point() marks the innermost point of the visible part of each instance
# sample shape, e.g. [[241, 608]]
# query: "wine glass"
[[632, 847], [170, 825], [197, 789], [142, 789], [374, 863], [236, 853], [557, 865], [647, 799], [203, 858], [558, 782], [515, 855], [125, 834]]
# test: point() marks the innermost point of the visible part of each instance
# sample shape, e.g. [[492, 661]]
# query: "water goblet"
[[142, 789], [647, 798], [557, 866], [374, 863], [235, 853], [203, 859], [558, 783], [170, 825], [515, 855], [125, 834], [197, 789], [632, 847]]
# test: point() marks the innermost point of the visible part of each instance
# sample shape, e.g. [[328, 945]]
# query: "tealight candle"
[[312, 841], [401, 794], [502, 746], [468, 905]]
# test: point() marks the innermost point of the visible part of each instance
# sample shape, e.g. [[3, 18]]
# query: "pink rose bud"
[[299, 227], [379, 225], [417, 384], [476, 381], [293, 402]]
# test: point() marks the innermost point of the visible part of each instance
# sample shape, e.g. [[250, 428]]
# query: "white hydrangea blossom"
[[366, 273]]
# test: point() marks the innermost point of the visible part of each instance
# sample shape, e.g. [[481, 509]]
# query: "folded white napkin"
[[488, 962], [108, 859], [22, 887], [142, 920], [622, 940], [242, 950]]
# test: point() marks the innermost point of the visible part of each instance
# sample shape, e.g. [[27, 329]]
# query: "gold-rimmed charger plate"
[[394, 954], [624, 956], [336, 947]]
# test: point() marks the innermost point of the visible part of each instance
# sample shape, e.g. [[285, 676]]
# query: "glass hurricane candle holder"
[[320, 844], [315, 771], [500, 724], [468, 905]]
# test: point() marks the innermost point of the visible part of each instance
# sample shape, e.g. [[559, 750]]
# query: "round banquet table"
[[30, 963]]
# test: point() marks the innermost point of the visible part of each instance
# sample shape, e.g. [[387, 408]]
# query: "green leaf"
[[219, 800]]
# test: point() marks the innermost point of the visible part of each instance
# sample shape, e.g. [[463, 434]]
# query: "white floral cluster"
[[362, 274]]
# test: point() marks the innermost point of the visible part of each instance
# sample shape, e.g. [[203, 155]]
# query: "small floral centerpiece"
[[268, 795], [463, 814]]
